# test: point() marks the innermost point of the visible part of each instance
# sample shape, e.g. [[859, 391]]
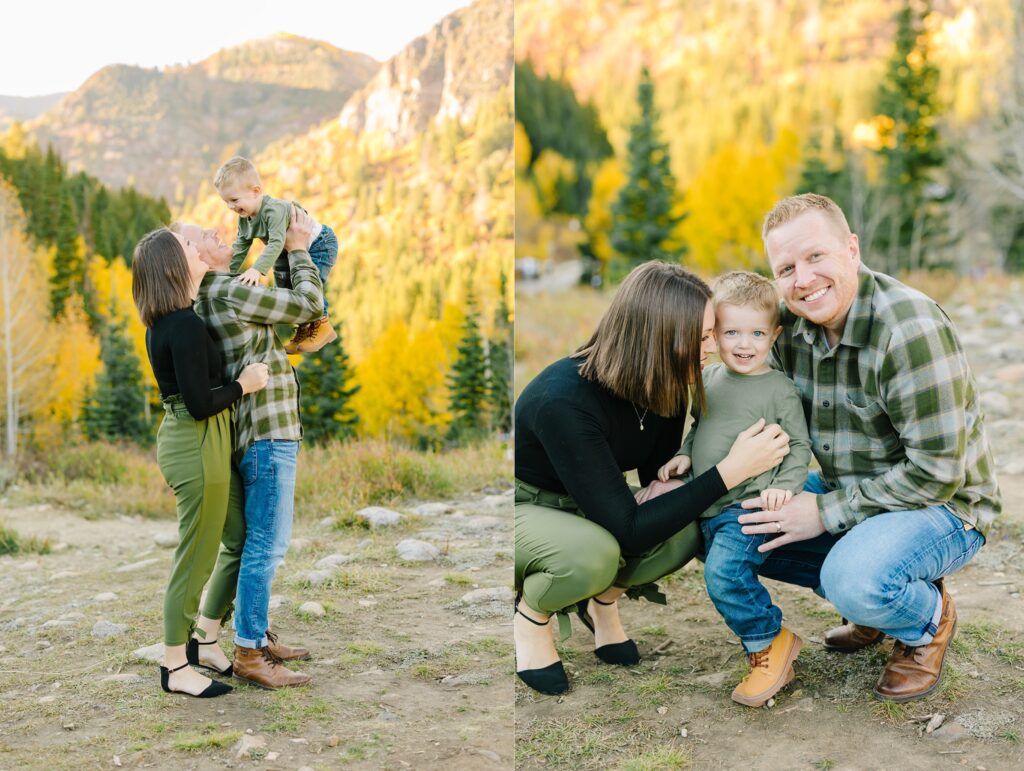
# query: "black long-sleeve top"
[[186, 361], [574, 436]]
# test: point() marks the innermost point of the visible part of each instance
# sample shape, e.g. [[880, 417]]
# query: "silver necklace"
[[640, 417]]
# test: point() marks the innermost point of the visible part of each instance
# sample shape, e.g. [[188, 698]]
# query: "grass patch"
[[206, 741], [660, 760], [375, 472], [571, 743], [890, 711], [492, 645], [954, 683], [11, 542], [458, 579], [1010, 735], [994, 640], [364, 647], [654, 631], [824, 764], [291, 710]]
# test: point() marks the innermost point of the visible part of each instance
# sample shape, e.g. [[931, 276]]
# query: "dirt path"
[[827, 719], [406, 673]]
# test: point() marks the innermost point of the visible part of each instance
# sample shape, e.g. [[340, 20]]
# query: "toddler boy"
[[265, 218], [739, 391]]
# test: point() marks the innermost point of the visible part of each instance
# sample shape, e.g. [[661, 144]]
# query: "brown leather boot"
[[261, 667], [285, 652], [915, 671], [320, 333], [851, 637]]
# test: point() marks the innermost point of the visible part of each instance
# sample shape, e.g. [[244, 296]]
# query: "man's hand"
[[656, 488], [299, 231], [774, 499], [251, 277], [676, 467], [797, 520]]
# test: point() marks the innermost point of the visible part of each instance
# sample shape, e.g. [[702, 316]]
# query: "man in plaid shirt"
[[267, 433], [906, 491]]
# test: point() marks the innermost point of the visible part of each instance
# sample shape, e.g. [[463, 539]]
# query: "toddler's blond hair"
[[237, 169], [747, 290]]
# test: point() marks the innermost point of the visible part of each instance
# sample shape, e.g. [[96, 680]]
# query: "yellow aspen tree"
[[607, 181], [26, 342], [75, 364]]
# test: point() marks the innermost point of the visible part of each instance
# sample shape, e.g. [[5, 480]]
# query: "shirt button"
[[825, 447], [826, 403]]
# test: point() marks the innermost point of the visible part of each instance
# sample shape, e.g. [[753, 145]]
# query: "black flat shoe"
[[550, 680], [210, 691], [192, 655], [623, 653]]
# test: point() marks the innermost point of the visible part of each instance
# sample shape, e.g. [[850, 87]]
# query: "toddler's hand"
[[656, 488], [773, 499], [251, 277], [676, 467]]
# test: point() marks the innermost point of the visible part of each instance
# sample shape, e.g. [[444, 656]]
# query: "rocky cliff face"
[[165, 131], [443, 74]]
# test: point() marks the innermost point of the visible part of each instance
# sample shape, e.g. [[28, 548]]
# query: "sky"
[[48, 46]]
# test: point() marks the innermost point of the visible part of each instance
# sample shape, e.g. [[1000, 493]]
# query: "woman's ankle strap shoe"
[[212, 690], [192, 655], [623, 653], [550, 680]]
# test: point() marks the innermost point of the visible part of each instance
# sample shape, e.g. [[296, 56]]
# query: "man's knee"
[[853, 592]]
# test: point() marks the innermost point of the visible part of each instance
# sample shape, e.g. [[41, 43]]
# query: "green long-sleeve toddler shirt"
[[270, 226], [734, 403]]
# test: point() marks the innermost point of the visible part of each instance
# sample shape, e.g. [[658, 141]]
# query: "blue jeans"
[[268, 477], [879, 574], [324, 253]]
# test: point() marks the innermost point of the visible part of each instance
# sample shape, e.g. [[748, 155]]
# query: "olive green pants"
[[562, 558], [195, 458]]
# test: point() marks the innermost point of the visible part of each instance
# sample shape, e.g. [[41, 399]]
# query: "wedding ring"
[[778, 527]]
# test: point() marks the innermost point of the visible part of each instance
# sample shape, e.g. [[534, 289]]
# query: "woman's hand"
[[755, 450], [254, 377]]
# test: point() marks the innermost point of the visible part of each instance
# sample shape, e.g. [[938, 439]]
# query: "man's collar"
[[857, 329]]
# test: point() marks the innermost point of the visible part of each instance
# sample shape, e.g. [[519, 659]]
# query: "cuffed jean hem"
[[243, 643], [758, 644], [929, 632]]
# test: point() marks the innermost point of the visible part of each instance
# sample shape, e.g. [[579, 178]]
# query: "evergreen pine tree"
[[911, 148], [643, 218], [499, 359], [324, 375], [468, 380], [68, 265], [115, 408]]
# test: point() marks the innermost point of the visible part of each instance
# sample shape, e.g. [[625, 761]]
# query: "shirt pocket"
[[871, 431]]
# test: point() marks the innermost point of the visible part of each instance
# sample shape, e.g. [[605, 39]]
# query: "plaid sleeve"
[[274, 305], [925, 379]]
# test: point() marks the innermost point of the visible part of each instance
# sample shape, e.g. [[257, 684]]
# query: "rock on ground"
[[417, 551], [246, 745], [333, 561], [104, 629], [313, 608], [378, 516], [150, 653]]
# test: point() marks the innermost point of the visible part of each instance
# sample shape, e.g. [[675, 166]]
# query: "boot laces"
[[270, 657], [759, 659]]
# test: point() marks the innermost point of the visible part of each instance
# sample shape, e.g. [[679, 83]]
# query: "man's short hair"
[[237, 169], [747, 290], [790, 208]]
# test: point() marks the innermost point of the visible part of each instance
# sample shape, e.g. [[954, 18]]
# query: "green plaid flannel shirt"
[[240, 318], [892, 409]]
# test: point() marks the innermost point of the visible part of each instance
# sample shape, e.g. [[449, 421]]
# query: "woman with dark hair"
[[194, 440], [618, 403]]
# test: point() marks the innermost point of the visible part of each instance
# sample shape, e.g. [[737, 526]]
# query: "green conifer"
[[468, 380], [326, 391], [115, 407], [643, 217]]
